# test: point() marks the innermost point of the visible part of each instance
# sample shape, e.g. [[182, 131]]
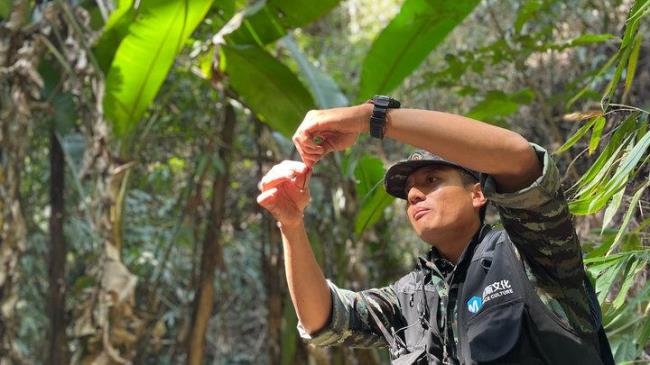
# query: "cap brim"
[[395, 178]]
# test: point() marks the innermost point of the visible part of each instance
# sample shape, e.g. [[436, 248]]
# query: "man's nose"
[[414, 195]]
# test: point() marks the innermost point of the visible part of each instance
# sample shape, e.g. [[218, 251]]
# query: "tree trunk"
[[105, 325], [212, 253], [20, 85], [273, 271], [58, 350]]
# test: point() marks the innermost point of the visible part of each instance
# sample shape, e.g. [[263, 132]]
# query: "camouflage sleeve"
[[350, 322], [538, 222]]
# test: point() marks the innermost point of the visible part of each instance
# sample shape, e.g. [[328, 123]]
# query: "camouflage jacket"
[[538, 223]]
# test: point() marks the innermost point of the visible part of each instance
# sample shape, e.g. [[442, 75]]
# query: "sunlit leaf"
[[577, 135], [267, 86], [604, 175], [596, 134], [145, 56], [592, 204], [639, 10], [419, 28], [115, 29], [618, 139]]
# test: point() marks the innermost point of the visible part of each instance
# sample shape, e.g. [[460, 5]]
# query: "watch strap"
[[380, 109]]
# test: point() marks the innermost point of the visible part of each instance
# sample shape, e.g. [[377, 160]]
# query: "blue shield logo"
[[474, 304]]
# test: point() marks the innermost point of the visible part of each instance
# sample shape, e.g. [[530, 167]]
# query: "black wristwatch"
[[378, 118]]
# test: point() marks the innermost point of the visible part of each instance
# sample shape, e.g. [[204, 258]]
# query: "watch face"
[[381, 100]]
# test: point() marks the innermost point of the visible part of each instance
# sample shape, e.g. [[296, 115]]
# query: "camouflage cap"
[[395, 179]]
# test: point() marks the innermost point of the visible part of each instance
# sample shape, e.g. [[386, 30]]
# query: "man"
[[518, 295]]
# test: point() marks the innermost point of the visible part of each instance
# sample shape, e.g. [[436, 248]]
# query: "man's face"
[[438, 201]]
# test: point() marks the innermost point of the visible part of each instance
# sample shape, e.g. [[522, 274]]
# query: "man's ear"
[[478, 199]]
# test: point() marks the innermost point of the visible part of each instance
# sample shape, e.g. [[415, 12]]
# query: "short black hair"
[[467, 180]]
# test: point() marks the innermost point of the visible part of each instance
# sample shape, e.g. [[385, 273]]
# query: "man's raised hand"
[[328, 130], [285, 191]]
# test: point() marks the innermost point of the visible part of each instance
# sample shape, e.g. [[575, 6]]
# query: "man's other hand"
[[324, 131], [285, 191]]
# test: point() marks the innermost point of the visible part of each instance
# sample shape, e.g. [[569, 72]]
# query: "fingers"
[[267, 197], [270, 201], [302, 180], [311, 148], [309, 139], [286, 171]]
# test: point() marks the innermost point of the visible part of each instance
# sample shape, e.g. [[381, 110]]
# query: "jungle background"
[[133, 135]]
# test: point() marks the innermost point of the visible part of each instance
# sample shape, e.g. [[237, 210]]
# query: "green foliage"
[[259, 78], [369, 172], [145, 56], [527, 11], [497, 104], [579, 134], [622, 257], [627, 331], [324, 89], [602, 193], [5, 8], [420, 26], [626, 50], [482, 71], [266, 21], [115, 29]]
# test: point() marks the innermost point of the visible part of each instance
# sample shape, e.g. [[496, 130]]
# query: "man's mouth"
[[419, 213]]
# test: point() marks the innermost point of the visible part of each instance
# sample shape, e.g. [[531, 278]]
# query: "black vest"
[[501, 319]]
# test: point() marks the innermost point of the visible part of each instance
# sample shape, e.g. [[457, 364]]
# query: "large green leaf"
[[268, 20], [115, 29], [369, 174], [324, 89], [267, 86], [145, 56], [419, 27]]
